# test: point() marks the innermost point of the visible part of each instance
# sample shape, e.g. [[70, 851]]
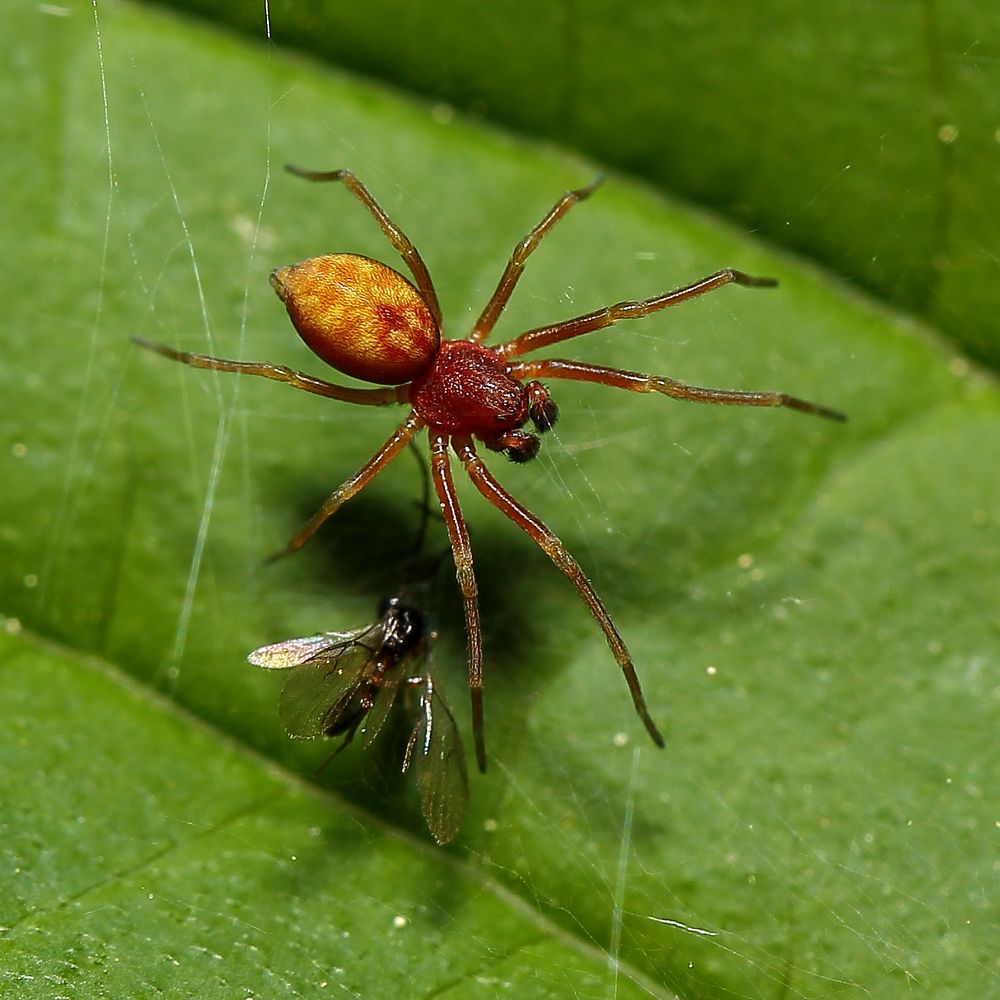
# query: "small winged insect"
[[345, 683]]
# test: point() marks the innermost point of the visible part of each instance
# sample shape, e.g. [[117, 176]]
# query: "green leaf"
[[812, 608]]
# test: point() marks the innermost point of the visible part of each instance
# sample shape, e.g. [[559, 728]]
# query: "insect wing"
[[321, 689], [292, 652], [437, 756]]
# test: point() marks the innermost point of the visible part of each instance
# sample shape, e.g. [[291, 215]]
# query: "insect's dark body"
[[403, 629], [403, 626]]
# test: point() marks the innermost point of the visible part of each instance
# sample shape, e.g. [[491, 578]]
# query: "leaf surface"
[[812, 608]]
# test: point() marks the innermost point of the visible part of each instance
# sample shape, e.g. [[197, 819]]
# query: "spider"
[[343, 682], [367, 320]]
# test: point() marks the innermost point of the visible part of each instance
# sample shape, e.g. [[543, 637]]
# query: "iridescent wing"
[[292, 652], [331, 674], [437, 756]]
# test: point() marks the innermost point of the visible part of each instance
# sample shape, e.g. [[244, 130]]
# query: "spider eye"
[[544, 413], [360, 316]]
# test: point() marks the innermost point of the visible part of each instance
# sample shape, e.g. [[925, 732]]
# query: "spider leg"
[[524, 249], [299, 380], [637, 382], [458, 535], [396, 443], [544, 335], [556, 551], [395, 235]]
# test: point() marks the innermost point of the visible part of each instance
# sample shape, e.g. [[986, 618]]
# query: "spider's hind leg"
[[279, 373], [396, 443], [399, 240]]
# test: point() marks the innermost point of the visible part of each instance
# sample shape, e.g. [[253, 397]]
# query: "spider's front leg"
[[617, 378], [461, 548], [557, 552]]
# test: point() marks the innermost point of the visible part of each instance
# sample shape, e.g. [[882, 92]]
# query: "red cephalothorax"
[[367, 320], [469, 390]]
